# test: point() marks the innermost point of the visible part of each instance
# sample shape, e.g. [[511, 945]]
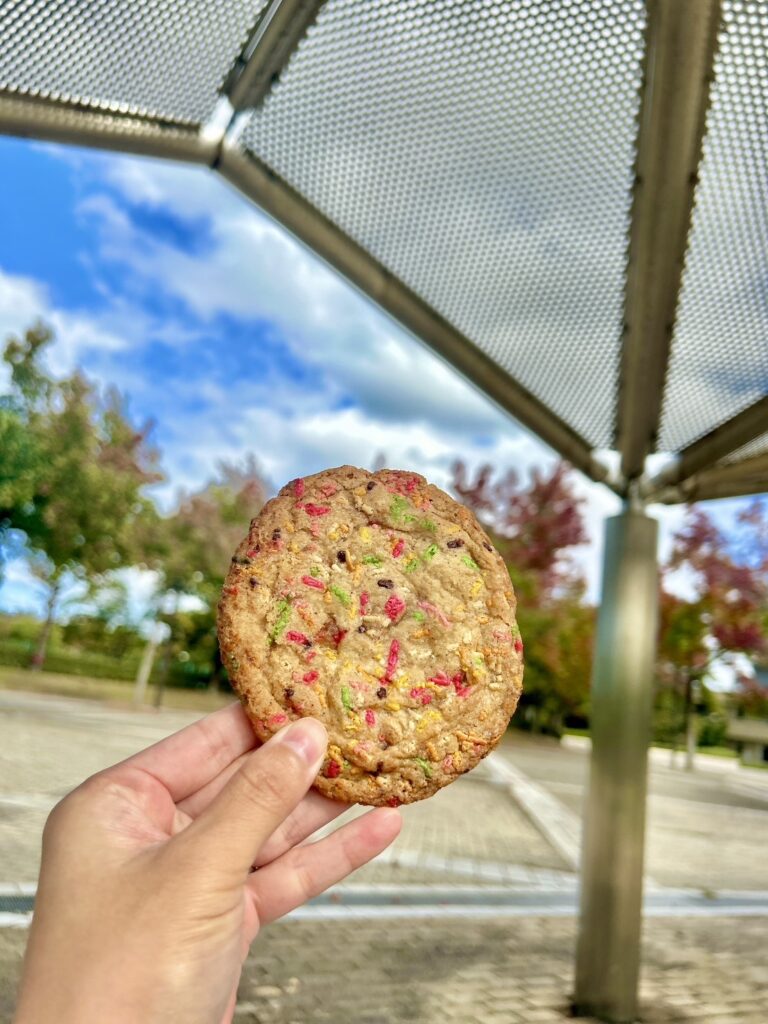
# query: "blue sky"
[[228, 335]]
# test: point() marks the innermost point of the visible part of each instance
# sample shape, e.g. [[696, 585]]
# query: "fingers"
[[306, 871], [258, 798], [313, 812], [189, 759]]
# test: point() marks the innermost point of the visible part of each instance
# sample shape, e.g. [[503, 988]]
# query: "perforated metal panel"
[[164, 58], [483, 153], [719, 362], [756, 447]]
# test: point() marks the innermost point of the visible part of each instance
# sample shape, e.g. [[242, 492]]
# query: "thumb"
[[258, 798]]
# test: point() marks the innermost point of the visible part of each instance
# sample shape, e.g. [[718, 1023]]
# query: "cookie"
[[375, 603]]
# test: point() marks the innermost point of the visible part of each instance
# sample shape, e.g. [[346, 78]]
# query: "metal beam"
[[281, 26], [680, 49], [608, 950], [715, 445], [81, 125], [731, 480], [292, 211]]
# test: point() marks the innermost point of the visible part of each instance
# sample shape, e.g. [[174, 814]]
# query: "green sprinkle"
[[425, 766], [234, 664], [342, 595], [427, 524], [419, 616], [408, 518], [316, 570], [398, 508], [430, 552], [371, 560], [346, 698], [412, 565], [478, 659], [470, 562], [283, 615]]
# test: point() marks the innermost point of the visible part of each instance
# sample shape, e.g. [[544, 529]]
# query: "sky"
[[232, 338]]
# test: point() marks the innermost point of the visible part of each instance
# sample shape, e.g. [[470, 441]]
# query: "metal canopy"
[[566, 200]]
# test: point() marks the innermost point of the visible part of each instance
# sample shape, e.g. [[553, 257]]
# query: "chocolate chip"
[[276, 534], [289, 693], [307, 642], [253, 582], [241, 561], [361, 628], [342, 556], [381, 693], [379, 768], [370, 485], [456, 543], [487, 546], [387, 584]]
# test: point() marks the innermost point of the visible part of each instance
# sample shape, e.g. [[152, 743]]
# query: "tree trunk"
[[38, 658], [145, 668], [689, 724]]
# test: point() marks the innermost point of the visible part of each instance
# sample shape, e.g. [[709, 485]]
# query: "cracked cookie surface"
[[376, 603]]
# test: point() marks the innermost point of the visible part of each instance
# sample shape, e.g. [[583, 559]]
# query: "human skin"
[[148, 900]]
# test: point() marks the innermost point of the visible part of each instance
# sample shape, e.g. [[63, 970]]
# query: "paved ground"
[[499, 842]]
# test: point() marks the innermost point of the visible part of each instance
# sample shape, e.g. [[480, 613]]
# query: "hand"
[[148, 901]]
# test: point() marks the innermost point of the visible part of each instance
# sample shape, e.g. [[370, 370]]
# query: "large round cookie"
[[374, 602]]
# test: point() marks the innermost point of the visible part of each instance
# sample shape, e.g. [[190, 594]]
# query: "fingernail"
[[307, 737]]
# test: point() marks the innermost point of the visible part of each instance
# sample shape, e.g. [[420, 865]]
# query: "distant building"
[[751, 738]]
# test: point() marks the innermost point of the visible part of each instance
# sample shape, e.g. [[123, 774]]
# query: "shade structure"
[[566, 199]]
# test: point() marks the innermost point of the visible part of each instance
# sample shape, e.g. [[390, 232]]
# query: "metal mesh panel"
[[483, 153], [755, 447], [159, 57], [719, 363]]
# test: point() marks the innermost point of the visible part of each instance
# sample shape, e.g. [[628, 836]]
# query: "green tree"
[[84, 470]]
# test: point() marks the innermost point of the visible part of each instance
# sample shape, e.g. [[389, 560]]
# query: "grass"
[[111, 691]]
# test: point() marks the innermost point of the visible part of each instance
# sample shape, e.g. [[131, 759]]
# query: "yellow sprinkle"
[[290, 527], [333, 534], [459, 609], [334, 752], [477, 586], [365, 535], [428, 718], [420, 633], [327, 597], [360, 492], [452, 527], [352, 722], [345, 528], [294, 546], [332, 655], [392, 705]]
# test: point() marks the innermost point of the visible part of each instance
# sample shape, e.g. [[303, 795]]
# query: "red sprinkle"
[[332, 770], [394, 801], [363, 602], [298, 638], [278, 719], [421, 694], [394, 608], [398, 549], [392, 659], [311, 677], [440, 678], [328, 489], [462, 686], [252, 552], [448, 763], [310, 655], [370, 718], [412, 484], [230, 590], [518, 646], [339, 635], [298, 488], [310, 581], [316, 510]]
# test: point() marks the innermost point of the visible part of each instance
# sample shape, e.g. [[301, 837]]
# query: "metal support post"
[[608, 954]]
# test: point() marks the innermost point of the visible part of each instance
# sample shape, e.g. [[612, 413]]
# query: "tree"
[[726, 613], [534, 527], [83, 472]]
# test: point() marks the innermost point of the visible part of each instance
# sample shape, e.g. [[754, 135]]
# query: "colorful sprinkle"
[[328, 489], [430, 552], [435, 612], [364, 599], [419, 616], [283, 615], [370, 718], [421, 694], [425, 766], [342, 595], [230, 590], [398, 549], [332, 770], [412, 565], [398, 508], [346, 698], [461, 685], [316, 510], [470, 563], [447, 764], [392, 659], [371, 560], [394, 608], [440, 678], [428, 524], [298, 488], [278, 719], [252, 552], [518, 646], [298, 638], [310, 581], [394, 801]]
